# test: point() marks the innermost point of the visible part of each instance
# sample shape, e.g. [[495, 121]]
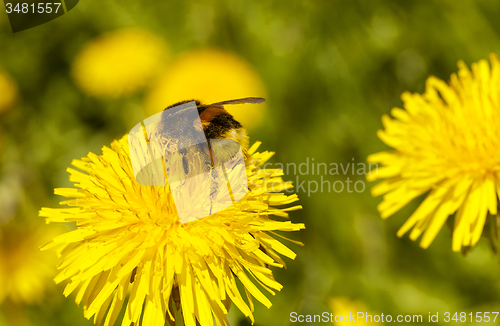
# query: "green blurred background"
[[330, 70]]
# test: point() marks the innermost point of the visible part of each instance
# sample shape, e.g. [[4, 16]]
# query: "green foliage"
[[331, 69]]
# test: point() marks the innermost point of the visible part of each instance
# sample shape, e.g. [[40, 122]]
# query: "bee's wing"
[[253, 100]]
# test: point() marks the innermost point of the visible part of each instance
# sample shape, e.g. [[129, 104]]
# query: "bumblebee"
[[200, 142], [217, 123]]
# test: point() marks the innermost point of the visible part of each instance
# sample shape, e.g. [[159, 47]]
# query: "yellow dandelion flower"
[[344, 309], [8, 89], [118, 63], [25, 272], [214, 75], [129, 240], [445, 144]]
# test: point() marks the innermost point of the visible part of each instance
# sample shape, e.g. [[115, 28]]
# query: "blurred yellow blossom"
[[119, 63], [25, 271], [209, 75], [344, 308], [8, 91]]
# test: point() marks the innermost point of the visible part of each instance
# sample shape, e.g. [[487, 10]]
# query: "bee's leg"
[[213, 187], [214, 174], [185, 165], [185, 162]]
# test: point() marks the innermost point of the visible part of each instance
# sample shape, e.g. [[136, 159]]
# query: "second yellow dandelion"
[[446, 143]]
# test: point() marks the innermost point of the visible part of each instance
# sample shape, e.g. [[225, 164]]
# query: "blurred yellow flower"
[[343, 308], [446, 143], [8, 91], [25, 272], [209, 75], [119, 63], [130, 240]]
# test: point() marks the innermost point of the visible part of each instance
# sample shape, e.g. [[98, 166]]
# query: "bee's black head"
[[201, 107]]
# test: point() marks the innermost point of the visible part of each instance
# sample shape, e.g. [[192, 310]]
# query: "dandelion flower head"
[[129, 241], [445, 144]]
